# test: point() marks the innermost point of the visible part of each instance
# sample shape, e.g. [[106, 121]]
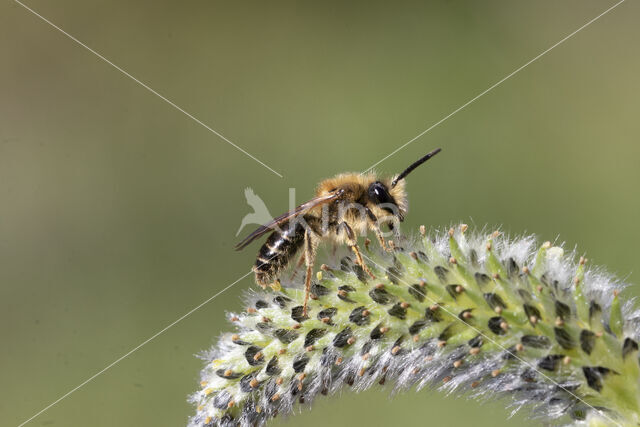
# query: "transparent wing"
[[299, 210]]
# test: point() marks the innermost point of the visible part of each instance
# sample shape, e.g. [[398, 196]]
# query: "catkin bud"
[[503, 320]]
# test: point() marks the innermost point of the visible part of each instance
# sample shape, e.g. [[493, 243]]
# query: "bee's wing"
[[299, 210]]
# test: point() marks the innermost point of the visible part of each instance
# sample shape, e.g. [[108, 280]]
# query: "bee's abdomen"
[[278, 250]]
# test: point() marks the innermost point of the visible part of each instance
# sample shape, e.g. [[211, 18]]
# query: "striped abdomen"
[[278, 250]]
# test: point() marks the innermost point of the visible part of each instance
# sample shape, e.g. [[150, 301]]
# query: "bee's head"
[[391, 197], [392, 200]]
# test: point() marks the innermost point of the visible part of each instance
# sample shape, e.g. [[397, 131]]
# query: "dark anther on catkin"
[[587, 340], [563, 311], [319, 290], [550, 362], [297, 314], [512, 267], [465, 315], [349, 379], [536, 341], [476, 341], [272, 367], [510, 353], [473, 256], [396, 349], [452, 290], [482, 279], [222, 399], [398, 311], [446, 333], [564, 339], [417, 326], [366, 348], [286, 336], [299, 363], [579, 413], [529, 375], [441, 272], [341, 339], [313, 335], [264, 327], [432, 315], [525, 295], [246, 382], [594, 376], [327, 313], [394, 274], [531, 312], [545, 278], [252, 356], [238, 341], [232, 376], [358, 317], [270, 390], [594, 309], [628, 347], [346, 264], [418, 292], [376, 333], [494, 300], [328, 357], [494, 325], [227, 419], [281, 301], [381, 296], [261, 304]]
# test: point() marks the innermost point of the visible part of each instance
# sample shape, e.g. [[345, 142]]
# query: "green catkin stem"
[[485, 316]]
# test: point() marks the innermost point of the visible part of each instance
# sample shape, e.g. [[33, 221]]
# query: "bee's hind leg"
[[353, 244], [309, 259]]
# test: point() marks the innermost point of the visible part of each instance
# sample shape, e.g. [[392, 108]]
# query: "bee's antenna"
[[414, 165]]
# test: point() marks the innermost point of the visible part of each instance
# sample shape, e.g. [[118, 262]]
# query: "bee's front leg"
[[353, 244]]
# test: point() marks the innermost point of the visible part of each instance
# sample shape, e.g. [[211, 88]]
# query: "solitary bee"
[[345, 206]]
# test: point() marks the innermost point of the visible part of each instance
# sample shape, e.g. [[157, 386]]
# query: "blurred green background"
[[118, 213]]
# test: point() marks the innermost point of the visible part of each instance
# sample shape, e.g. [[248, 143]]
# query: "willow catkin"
[[485, 316]]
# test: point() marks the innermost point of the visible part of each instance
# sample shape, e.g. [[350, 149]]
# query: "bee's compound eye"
[[378, 193]]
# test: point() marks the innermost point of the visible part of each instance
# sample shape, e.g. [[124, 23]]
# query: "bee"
[[345, 207]]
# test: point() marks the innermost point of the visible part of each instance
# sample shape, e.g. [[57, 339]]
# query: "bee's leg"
[[259, 280], [298, 265], [373, 220], [309, 259], [353, 244], [395, 228]]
